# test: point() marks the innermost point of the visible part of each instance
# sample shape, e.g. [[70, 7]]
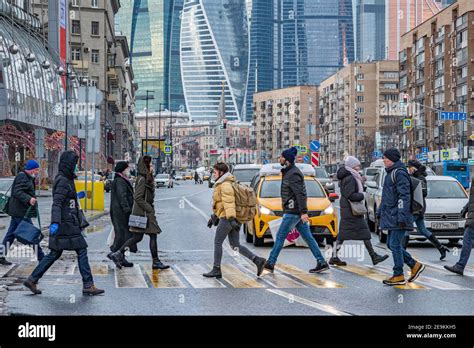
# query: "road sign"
[[315, 146], [306, 159], [425, 150], [266, 161], [471, 162], [377, 154], [315, 159], [407, 123], [453, 116], [168, 150], [445, 154], [303, 149], [472, 137]]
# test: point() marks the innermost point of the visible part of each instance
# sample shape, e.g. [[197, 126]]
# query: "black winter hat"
[[290, 154], [392, 154], [120, 166], [415, 164]]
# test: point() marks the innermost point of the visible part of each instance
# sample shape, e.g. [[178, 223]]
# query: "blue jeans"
[[10, 237], [466, 248], [400, 255], [289, 222], [54, 255], [420, 224]]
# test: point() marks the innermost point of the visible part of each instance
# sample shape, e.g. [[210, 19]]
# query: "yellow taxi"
[[267, 185], [188, 176]]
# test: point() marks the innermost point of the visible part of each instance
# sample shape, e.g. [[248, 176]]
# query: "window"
[[95, 29], [461, 39], [95, 56], [360, 88], [95, 3], [75, 53], [94, 81], [390, 74], [76, 28], [390, 85], [76, 3], [360, 98], [360, 77]]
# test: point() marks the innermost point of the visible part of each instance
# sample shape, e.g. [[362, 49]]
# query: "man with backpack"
[[232, 204], [396, 215], [295, 212]]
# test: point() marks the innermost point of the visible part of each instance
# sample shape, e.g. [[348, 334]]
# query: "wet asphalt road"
[[187, 245]]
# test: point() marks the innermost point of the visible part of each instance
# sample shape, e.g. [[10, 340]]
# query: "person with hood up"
[[352, 227], [65, 232], [121, 203], [418, 171], [143, 205]]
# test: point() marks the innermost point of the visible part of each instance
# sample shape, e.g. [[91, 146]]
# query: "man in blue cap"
[[295, 212], [22, 197]]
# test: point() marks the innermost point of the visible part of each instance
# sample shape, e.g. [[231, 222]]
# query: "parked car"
[[164, 180], [244, 173], [323, 177], [446, 197], [179, 177], [5, 185]]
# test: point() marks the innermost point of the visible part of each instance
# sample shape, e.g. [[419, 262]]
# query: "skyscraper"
[[153, 30], [214, 53], [370, 29], [297, 42]]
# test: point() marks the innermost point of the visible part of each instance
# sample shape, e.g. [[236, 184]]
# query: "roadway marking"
[[377, 275], [99, 269], [239, 279], [276, 280], [193, 274], [5, 269], [61, 268], [130, 277], [23, 270], [178, 197], [163, 279], [306, 277], [294, 298]]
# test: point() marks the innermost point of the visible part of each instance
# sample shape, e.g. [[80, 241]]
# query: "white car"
[[244, 173], [445, 199], [179, 177], [164, 180]]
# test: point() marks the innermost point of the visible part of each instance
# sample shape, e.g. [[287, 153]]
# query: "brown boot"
[[30, 284], [415, 271], [92, 291], [395, 280]]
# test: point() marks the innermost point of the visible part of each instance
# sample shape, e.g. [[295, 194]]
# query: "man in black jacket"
[[294, 197], [23, 196]]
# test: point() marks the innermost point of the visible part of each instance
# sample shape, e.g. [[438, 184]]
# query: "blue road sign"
[[425, 150], [306, 159], [315, 146], [377, 154], [266, 161], [453, 116]]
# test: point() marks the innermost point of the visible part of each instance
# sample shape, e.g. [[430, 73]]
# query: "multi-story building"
[[297, 42], [370, 29], [214, 56], [353, 109], [435, 74], [284, 118], [153, 31]]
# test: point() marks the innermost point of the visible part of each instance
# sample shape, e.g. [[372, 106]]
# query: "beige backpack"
[[245, 202]]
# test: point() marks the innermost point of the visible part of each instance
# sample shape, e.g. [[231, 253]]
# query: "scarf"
[[124, 177], [357, 177]]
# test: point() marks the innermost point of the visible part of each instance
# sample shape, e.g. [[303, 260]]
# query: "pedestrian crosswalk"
[[238, 276]]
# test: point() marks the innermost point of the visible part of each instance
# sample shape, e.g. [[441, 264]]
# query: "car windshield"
[[444, 189], [272, 188], [5, 184], [321, 173], [244, 175], [162, 176], [371, 171]]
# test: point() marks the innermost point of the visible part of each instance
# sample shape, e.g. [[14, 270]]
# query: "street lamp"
[[146, 97], [70, 75]]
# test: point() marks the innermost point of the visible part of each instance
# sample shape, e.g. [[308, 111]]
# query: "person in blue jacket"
[[395, 215]]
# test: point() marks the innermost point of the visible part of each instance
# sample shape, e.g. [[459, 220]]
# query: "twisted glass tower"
[[214, 57]]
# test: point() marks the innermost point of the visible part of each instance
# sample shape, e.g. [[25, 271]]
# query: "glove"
[[81, 194], [235, 224], [210, 223], [53, 229]]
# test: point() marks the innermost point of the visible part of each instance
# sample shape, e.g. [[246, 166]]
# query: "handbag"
[[27, 233], [4, 199], [138, 221], [358, 208], [83, 223]]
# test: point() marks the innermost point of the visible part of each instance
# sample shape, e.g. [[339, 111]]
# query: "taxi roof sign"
[[275, 169]]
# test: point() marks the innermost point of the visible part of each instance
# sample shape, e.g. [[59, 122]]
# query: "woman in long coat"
[[352, 227], [143, 205], [121, 203]]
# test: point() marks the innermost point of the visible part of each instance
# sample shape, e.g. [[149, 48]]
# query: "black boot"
[[4, 262], [260, 263], [336, 261], [442, 249], [376, 259], [126, 263], [117, 258], [214, 273], [157, 264]]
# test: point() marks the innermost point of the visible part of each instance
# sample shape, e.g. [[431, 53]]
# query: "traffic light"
[[405, 98], [224, 125]]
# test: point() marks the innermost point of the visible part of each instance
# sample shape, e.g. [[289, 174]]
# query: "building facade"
[[214, 57], [284, 118], [370, 29], [353, 111], [153, 31], [435, 75]]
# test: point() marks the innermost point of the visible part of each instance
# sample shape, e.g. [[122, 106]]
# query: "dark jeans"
[[466, 248], [400, 255], [54, 255], [420, 224], [10, 237]]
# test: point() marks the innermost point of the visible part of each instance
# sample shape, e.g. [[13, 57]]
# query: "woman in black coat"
[[121, 203], [65, 231], [352, 227]]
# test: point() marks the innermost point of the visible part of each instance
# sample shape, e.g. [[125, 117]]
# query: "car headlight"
[[329, 210], [265, 211], [329, 184]]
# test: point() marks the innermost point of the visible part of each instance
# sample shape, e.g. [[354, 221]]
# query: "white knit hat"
[[351, 162]]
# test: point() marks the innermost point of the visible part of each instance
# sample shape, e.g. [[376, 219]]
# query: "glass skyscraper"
[[297, 42], [370, 30], [152, 28], [214, 56]]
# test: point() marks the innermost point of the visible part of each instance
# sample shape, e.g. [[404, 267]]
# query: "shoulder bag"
[[138, 221]]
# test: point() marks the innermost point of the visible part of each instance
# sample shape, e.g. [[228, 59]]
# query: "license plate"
[[444, 225]]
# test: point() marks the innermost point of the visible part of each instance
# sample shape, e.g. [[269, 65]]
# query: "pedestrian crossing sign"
[[407, 123], [168, 150]]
